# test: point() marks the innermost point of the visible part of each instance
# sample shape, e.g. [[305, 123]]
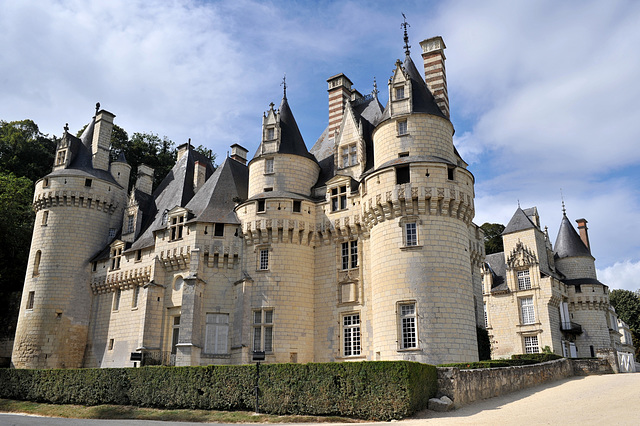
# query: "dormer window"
[[399, 93], [61, 157], [524, 280], [130, 223], [271, 134], [349, 155], [177, 224], [339, 198], [116, 256]]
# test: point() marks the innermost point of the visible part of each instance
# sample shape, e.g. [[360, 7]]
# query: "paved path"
[[612, 399]]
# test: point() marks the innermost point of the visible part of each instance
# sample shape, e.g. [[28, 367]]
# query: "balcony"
[[571, 327]]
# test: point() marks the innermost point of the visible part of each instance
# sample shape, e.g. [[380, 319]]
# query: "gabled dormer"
[[400, 88], [62, 156], [116, 249], [271, 135], [176, 219], [338, 192], [132, 218], [350, 148], [522, 267]]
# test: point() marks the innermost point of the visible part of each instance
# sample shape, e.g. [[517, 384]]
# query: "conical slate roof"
[[87, 135], [568, 242], [519, 222]]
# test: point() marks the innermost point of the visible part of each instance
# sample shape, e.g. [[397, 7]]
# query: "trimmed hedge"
[[491, 363], [543, 357], [380, 390]]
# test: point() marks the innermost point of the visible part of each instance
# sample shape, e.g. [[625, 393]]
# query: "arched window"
[[36, 263]]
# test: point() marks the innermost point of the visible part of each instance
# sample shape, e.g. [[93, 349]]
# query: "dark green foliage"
[[24, 150], [627, 306], [492, 237], [484, 344], [542, 357], [369, 390], [491, 363]]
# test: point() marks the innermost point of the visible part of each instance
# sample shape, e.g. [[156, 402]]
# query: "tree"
[[627, 306], [148, 148], [24, 150], [492, 237]]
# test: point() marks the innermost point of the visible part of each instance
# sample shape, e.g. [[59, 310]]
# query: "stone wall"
[[588, 367], [467, 386]]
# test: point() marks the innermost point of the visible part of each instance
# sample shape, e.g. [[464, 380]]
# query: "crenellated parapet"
[[589, 303], [89, 200], [176, 258], [268, 230], [410, 199], [340, 229]]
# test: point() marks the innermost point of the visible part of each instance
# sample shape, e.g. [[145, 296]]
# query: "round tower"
[[418, 206], [277, 225], [78, 209]]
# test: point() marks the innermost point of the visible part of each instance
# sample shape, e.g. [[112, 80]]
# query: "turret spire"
[[284, 86]]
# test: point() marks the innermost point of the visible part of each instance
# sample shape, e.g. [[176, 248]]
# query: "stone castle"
[[362, 248], [537, 296]]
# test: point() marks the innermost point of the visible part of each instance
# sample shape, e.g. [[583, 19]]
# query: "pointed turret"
[[572, 257], [568, 242]]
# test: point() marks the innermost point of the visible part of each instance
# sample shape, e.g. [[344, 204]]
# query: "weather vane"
[[404, 25], [284, 85]]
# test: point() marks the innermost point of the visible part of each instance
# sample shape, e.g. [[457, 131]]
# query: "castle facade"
[[362, 248]]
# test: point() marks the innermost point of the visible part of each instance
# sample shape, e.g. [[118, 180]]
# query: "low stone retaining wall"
[[587, 367], [467, 386]]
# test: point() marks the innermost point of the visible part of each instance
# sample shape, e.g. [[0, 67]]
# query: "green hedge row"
[[381, 390], [491, 363], [544, 357]]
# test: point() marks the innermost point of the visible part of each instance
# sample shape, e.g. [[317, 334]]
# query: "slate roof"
[[519, 222], [291, 141], [175, 190], [568, 242], [498, 269], [422, 98], [214, 202]]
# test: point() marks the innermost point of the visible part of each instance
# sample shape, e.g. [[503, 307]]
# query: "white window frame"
[[527, 310], [407, 325], [524, 280], [410, 234], [486, 315], [131, 226], [399, 92], [403, 127], [263, 329], [116, 257], [176, 227], [351, 337], [531, 345], [349, 255], [268, 166], [216, 340], [338, 198]]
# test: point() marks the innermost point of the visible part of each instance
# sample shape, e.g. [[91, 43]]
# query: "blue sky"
[[544, 95]]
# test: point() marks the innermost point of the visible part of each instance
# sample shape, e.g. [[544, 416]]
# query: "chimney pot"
[[239, 153], [434, 71], [584, 234]]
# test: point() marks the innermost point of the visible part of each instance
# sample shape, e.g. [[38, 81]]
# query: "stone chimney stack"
[[434, 71], [144, 182], [239, 153], [584, 235], [339, 93], [199, 175], [102, 140], [183, 149]]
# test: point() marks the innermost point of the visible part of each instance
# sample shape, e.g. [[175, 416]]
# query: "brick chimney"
[[102, 140], [434, 71], [144, 181], [199, 175], [584, 235], [239, 153], [339, 93]]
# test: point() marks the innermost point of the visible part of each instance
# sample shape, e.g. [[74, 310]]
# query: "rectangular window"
[[61, 157], [175, 334], [349, 254], [218, 230], [130, 224], [402, 128], [116, 299], [345, 157], [45, 183], [177, 224], [399, 93], [410, 234], [87, 182], [450, 171], [110, 344], [353, 151], [116, 255], [138, 255], [403, 175], [136, 296], [486, 318], [217, 334], [30, 299], [263, 260], [408, 331], [268, 165], [112, 232], [531, 345], [351, 332], [526, 307], [338, 198], [524, 280], [297, 206], [45, 217], [263, 330], [261, 206], [271, 133]]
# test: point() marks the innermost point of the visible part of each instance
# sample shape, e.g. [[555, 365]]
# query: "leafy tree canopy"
[[627, 306], [24, 150], [492, 237]]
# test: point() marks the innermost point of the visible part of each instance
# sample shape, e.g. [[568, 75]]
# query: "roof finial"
[[375, 88], [404, 25], [564, 210], [97, 107], [284, 86], [66, 128], [518, 202], [189, 145]]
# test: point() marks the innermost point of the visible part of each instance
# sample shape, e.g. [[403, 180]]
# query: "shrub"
[[381, 390], [543, 357]]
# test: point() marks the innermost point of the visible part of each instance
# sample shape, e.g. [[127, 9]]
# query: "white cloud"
[[623, 275]]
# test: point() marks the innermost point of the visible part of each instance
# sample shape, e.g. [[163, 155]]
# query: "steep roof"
[[498, 268], [291, 141], [214, 202], [568, 242], [519, 222]]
